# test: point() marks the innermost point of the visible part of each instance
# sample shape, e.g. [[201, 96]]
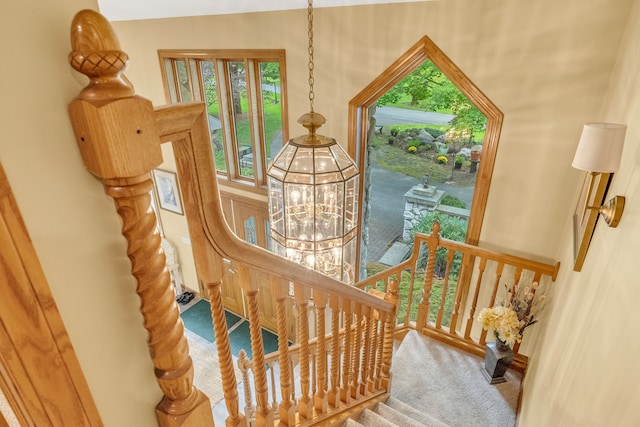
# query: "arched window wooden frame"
[[425, 49]]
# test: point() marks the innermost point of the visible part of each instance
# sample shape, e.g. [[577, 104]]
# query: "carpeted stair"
[[435, 385], [394, 413]]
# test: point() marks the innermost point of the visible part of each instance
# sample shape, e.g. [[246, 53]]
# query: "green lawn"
[[272, 123], [436, 295]]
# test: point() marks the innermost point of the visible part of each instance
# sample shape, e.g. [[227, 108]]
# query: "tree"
[[468, 120], [209, 81], [270, 72], [238, 85], [417, 85]]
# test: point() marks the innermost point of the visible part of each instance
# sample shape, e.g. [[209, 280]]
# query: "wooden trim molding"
[[33, 339], [425, 49]]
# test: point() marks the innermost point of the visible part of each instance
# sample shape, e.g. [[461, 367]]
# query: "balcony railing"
[[343, 352]]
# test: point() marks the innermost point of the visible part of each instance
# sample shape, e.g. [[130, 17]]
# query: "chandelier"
[[313, 197]]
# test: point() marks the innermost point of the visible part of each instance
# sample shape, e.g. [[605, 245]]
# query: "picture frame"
[[168, 191], [593, 193]]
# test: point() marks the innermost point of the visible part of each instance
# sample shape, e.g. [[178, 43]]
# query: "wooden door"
[[250, 222]]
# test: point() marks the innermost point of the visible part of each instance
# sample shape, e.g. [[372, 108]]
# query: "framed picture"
[[168, 191]]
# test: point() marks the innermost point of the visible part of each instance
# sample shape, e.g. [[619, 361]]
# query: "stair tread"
[[396, 416], [351, 423], [371, 419], [411, 412]]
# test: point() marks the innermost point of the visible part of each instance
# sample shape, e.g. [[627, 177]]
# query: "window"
[[245, 96]]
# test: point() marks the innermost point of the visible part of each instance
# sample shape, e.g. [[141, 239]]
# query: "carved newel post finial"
[[95, 52]]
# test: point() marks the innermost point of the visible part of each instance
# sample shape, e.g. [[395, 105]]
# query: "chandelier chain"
[[311, 81]]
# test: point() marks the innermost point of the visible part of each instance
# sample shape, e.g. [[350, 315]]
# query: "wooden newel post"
[[119, 143]]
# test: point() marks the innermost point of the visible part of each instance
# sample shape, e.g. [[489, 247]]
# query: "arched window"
[[361, 109]]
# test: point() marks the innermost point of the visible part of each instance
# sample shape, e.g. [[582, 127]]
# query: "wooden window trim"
[[232, 178]]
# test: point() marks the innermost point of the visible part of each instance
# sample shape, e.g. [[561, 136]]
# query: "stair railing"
[[444, 284], [119, 135]]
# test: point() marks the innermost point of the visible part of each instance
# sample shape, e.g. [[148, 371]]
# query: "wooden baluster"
[[272, 374], [334, 392], [345, 394], [301, 295], [474, 303], [286, 409], [314, 366], [406, 319], [393, 297], [264, 413], [113, 127], [387, 350], [225, 359], [517, 275], [357, 352], [245, 364], [492, 300], [373, 351], [458, 298], [321, 397], [445, 287], [423, 309], [367, 313], [379, 352]]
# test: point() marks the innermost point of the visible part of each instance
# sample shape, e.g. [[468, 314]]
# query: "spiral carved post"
[[119, 143], [286, 409], [334, 391], [264, 412], [345, 392], [245, 365], [225, 359], [321, 396], [357, 351], [366, 352], [423, 308], [305, 404]]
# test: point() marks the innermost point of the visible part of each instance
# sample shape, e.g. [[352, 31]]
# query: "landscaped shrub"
[[453, 201], [412, 149], [434, 132], [452, 228], [442, 160]]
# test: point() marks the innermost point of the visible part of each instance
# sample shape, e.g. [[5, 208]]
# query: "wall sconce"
[[599, 152]]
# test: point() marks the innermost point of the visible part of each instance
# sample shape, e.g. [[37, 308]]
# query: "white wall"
[[584, 372], [73, 225]]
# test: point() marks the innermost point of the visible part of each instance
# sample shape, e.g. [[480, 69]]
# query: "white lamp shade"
[[600, 147]]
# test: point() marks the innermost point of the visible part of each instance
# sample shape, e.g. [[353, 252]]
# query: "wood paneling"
[[40, 374]]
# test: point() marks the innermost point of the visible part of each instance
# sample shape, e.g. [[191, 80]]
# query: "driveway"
[[387, 116], [387, 207]]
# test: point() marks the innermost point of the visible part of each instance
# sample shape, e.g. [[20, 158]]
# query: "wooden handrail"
[[474, 265], [187, 122]]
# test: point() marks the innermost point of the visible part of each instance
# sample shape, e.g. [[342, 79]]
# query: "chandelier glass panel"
[[313, 205], [313, 197]]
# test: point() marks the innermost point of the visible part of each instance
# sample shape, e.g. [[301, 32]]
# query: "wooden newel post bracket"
[[119, 143]]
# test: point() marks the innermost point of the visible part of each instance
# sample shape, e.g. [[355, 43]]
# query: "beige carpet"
[[447, 384]]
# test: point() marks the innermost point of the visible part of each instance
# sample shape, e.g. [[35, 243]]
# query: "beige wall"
[[545, 64], [584, 372], [73, 225], [536, 60]]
